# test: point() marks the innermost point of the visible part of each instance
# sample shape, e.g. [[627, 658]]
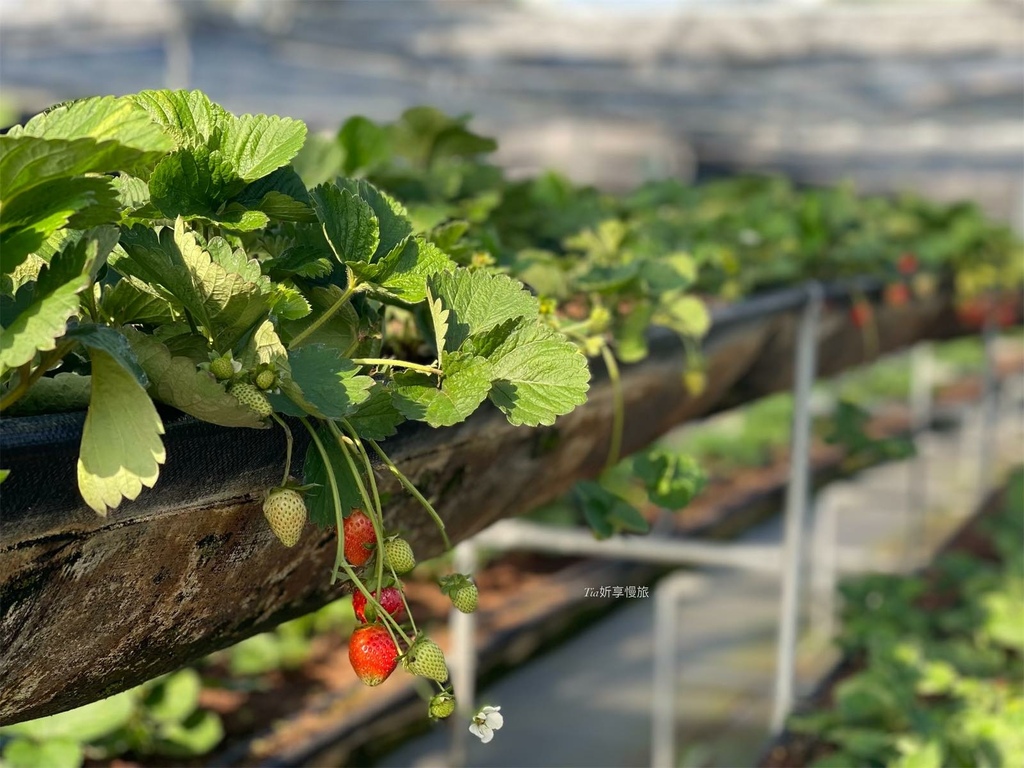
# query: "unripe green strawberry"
[[249, 396], [464, 598], [266, 379], [285, 510], [442, 706], [398, 555], [461, 590], [222, 368], [426, 659]]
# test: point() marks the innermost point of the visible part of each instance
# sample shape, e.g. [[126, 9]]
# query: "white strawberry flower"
[[486, 722]]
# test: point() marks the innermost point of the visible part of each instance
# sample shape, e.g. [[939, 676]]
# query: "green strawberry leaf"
[[265, 348], [189, 118], [83, 724], [466, 382], [103, 118], [672, 272], [177, 382], [477, 301], [324, 383], [256, 145], [124, 302], [605, 512], [320, 160], [57, 394], [28, 161], [348, 222], [392, 218], [38, 328], [107, 339], [196, 735], [439, 322], [341, 331], [173, 698], [686, 315], [537, 373], [121, 450], [54, 299], [28, 220], [671, 479], [402, 274], [53, 753], [287, 303], [377, 417], [193, 182], [365, 145], [223, 302]]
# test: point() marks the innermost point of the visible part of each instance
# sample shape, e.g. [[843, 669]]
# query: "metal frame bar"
[[805, 365]]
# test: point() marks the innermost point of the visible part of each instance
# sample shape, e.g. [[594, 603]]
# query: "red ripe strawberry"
[[897, 294], [973, 312], [390, 600], [373, 654], [860, 314], [359, 538], [1006, 314], [907, 263]]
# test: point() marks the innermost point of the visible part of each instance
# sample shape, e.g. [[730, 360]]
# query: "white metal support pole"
[[922, 378], [796, 505], [663, 699], [989, 410], [825, 561], [463, 660]]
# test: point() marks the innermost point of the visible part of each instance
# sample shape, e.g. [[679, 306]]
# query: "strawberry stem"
[[288, 447], [375, 520], [313, 327], [388, 362], [376, 510], [340, 561], [407, 484], [618, 407]]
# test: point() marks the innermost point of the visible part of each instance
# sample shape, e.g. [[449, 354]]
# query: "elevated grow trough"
[[91, 606]]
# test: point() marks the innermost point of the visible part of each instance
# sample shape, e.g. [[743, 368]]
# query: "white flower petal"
[[482, 731], [494, 720], [488, 710]]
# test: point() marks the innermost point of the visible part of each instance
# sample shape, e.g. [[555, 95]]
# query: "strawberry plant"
[[935, 687], [164, 251]]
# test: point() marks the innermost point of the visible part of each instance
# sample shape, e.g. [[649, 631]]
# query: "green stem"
[[328, 314], [575, 328], [90, 302], [26, 380], [358, 443], [376, 520], [340, 561], [618, 407], [388, 362], [407, 484], [339, 558], [288, 448]]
